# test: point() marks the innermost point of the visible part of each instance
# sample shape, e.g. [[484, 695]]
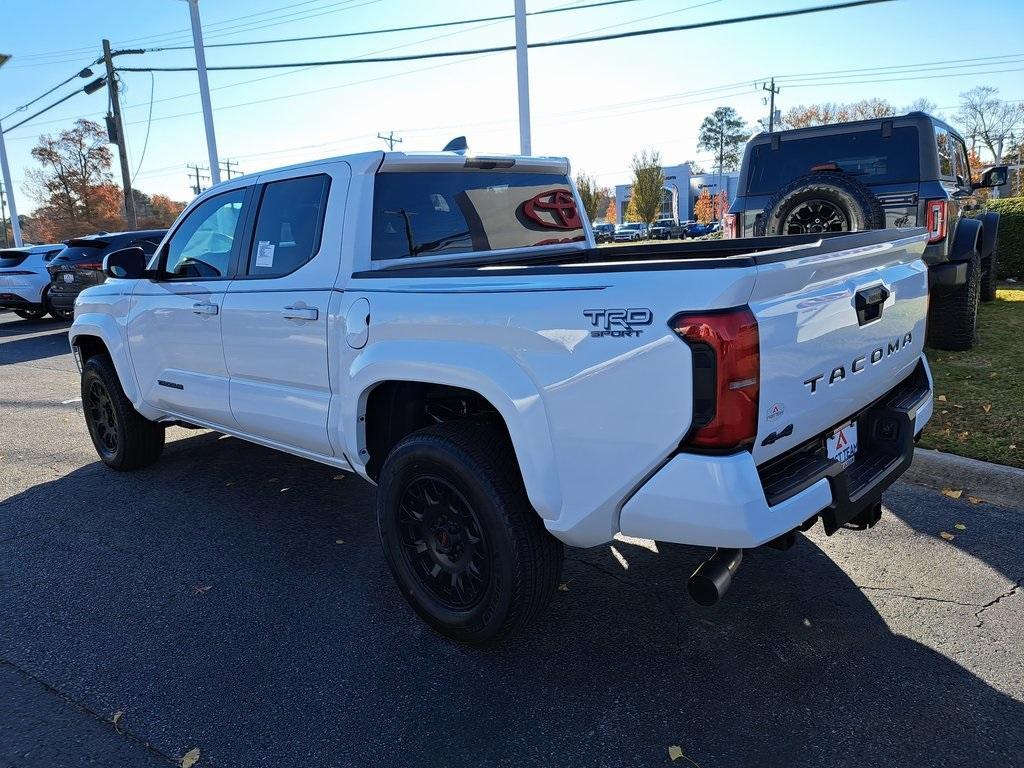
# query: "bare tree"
[[988, 119]]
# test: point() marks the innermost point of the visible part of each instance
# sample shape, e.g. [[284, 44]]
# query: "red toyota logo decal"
[[554, 209]]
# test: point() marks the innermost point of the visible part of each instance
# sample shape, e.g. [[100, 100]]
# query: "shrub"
[[1011, 235]]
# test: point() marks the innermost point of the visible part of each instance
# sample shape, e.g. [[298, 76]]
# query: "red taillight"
[[90, 265], [726, 371], [936, 220], [729, 230]]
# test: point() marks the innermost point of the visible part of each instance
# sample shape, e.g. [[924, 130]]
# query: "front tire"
[[465, 547], [123, 438], [989, 280], [953, 316]]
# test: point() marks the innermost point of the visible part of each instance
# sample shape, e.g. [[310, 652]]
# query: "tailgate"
[[838, 329]]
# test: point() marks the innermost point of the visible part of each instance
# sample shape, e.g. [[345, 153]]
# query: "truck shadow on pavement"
[[235, 599]]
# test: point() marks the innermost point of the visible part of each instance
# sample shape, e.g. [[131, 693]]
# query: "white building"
[[682, 188]]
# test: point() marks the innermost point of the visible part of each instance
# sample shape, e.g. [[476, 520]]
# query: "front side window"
[[963, 167], [201, 247], [289, 225], [432, 213]]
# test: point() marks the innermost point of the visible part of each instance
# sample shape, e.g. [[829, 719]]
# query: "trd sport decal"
[[618, 323]]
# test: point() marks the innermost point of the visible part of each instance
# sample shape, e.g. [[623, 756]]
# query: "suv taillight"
[[726, 370], [90, 265], [729, 230], [935, 218]]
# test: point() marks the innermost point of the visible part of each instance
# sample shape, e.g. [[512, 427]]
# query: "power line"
[[83, 72], [545, 44], [436, 25], [92, 87]]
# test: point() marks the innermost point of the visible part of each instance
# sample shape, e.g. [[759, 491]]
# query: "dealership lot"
[[233, 599]]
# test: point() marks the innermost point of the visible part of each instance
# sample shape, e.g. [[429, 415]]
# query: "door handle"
[[300, 313], [205, 309]]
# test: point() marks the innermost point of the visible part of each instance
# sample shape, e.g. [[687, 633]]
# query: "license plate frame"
[[841, 443]]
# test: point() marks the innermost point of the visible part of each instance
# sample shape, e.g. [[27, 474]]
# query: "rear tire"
[[30, 314], [465, 547], [989, 280], [123, 438], [822, 201], [953, 316]]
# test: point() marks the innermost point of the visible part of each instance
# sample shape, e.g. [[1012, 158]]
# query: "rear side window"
[[289, 225], [434, 213], [865, 155], [10, 259]]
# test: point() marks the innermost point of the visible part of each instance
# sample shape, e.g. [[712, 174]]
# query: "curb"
[[993, 483]]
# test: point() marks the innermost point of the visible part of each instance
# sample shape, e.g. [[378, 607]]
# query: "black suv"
[[909, 171], [80, 265], [604, 233]]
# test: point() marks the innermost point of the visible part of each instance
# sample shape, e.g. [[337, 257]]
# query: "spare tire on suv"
[[821, 201]]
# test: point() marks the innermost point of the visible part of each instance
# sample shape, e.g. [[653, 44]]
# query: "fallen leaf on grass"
[[941, 398], [563, 587], [947, 535], [191, 758], [975, 500], [953, 494], [993, 375], [986, 407], [957, 406], [675, 752], [960, 526]]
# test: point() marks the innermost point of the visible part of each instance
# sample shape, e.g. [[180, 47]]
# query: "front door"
[[174, 332], [275, 318]]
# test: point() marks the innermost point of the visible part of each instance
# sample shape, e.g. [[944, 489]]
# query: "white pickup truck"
[[444, 326]]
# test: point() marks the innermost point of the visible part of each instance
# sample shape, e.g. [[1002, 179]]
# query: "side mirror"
[[995, 176], [126, 264]]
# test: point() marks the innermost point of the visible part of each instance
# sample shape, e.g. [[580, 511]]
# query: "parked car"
[[80, 264], [908, 171], [662, 229], [630, 233], [24, 281], [604, 233], [696, 229], [509, 386]]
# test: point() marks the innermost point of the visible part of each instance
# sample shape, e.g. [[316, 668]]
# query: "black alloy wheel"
[[102, 419], [443, 543], [814, 217]]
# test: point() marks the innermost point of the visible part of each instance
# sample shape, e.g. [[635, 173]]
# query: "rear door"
[[276, 311], [838, 329]]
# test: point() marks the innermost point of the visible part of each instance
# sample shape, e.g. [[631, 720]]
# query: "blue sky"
[[597, 103]]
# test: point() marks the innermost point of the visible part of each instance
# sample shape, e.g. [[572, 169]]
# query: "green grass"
[[979, 395]]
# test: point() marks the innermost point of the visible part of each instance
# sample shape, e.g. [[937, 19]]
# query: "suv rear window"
[[865, 155], [11, 259], [432, 213]]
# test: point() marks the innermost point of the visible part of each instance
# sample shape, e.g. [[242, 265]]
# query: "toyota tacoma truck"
[[906, 171], [443, 325]]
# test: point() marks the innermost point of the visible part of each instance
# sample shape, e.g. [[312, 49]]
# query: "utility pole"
[[227, 168], [721, 155], [773, 90], [3, 216], [117, 124], [5, 170], [523, 78], [389, 139], [196, 168], [204, 89]]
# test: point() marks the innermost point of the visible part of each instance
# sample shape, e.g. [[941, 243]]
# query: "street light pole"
[[6, 170], [523, 78], [204, 90]]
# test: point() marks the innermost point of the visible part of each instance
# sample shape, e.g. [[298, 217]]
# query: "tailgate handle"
[[869, 303]]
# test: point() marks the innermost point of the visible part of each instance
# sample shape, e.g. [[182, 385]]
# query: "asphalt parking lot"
[[234, 600]]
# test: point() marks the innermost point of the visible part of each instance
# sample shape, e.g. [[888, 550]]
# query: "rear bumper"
[[728, 501], [64, 300], [20, 300]]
